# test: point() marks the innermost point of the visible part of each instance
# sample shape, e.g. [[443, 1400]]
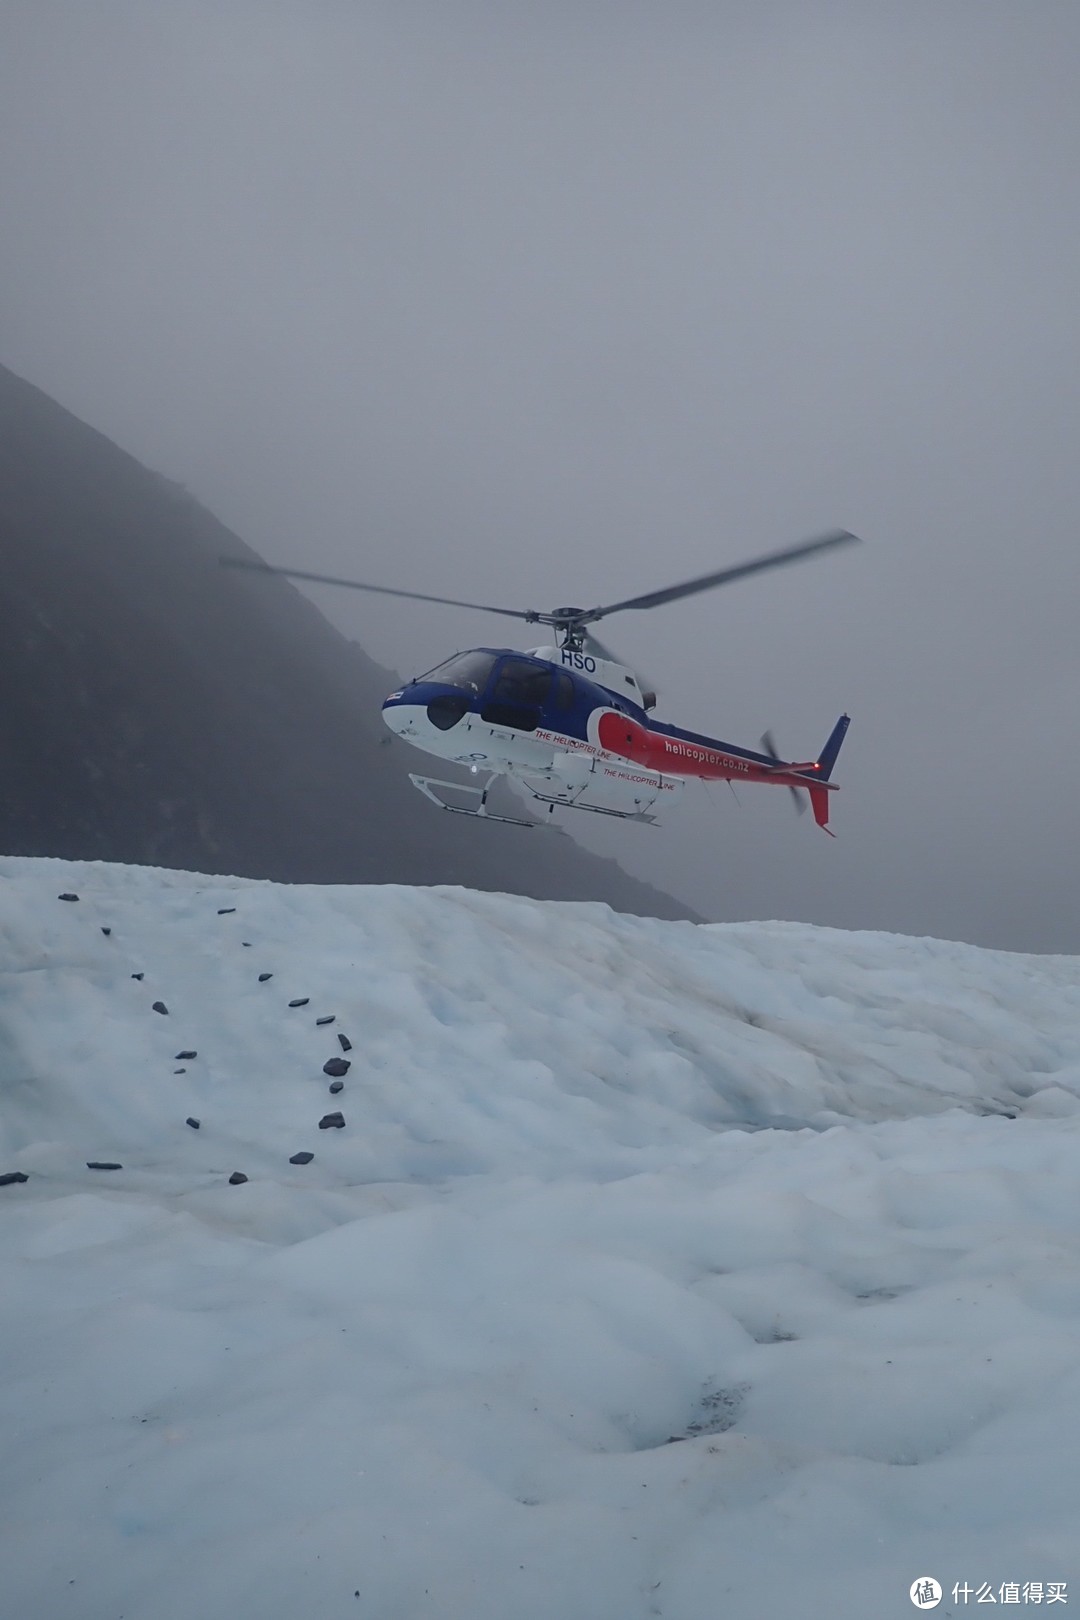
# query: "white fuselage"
[[554, 765]]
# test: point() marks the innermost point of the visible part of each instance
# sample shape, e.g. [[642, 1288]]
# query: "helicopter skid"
[[428, 784], [596, 809]]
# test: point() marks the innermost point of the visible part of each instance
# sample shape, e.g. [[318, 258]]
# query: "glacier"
[[657, 1270]]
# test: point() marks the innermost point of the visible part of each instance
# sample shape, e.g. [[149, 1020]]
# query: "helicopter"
[[570, 722]]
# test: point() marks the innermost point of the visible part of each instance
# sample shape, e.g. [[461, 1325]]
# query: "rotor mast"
[[566, 622]]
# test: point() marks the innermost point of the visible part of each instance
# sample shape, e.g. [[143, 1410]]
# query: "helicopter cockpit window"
[[469, 671], [519, 682], [564, 690]]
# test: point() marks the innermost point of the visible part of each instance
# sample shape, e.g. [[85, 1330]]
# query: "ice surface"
[[659, 1270]]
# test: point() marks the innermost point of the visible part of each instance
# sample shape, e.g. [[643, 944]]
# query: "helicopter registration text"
[[577, 660]]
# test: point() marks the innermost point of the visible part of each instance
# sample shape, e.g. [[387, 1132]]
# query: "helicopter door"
[[517, 695]]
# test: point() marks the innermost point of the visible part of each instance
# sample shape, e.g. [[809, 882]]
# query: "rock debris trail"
[[333, 1066]]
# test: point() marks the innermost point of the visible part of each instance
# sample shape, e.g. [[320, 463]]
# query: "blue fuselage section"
[[520, 696]]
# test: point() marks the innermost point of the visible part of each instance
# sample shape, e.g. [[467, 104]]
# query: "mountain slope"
[[159, 709]]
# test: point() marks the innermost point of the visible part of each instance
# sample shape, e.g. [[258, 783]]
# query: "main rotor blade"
[[381, 590], [723, 576]]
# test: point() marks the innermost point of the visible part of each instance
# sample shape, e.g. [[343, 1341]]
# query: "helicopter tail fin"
[[827, 758], [819, 804], [819, 790]]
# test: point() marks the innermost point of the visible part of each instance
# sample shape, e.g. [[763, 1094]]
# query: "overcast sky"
[[561, 302]]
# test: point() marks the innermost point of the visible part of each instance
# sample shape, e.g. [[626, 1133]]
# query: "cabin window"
[[521, 682], [518, 695], [469, 671], [564, 690]]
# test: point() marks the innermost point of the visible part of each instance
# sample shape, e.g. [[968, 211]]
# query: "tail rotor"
[[768, 745]]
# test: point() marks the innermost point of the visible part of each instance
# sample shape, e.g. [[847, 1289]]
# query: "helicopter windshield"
[[469, 671]]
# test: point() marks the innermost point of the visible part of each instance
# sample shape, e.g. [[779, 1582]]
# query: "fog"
[[544, 303]]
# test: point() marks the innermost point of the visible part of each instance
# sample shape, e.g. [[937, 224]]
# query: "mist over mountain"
[[159, 709]]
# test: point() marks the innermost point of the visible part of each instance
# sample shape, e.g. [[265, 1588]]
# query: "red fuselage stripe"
[[672, 756]]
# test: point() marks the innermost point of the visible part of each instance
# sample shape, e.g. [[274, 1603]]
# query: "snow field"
[[658, 1270]]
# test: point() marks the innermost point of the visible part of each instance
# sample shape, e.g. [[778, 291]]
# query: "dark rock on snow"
[[327, 1019], [106, 931], [301, 1158], [301, 1001], [159, 1006], [336, 1086], [194, 1123], [225, 911], [180, 1056], [179, 1071], [264, 976], [13, 1176], [67, 897], [332, 1122], [102, 1164], [236, 1178], [138, 975], [345, 1043], [335, 1067]]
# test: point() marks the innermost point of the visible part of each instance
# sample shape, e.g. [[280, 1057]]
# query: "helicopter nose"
[[400, 713]]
